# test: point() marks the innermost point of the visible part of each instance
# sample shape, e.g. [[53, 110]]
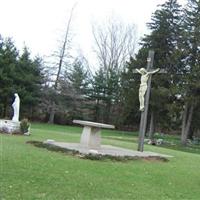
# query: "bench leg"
[[91, 137]]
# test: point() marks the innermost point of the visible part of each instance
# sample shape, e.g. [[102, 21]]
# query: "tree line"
[[110, 94]]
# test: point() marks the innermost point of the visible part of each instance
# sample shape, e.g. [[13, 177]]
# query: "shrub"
[[24, 126]]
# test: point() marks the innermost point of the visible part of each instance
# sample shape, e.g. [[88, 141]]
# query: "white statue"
[[16, 105], [143, 85]]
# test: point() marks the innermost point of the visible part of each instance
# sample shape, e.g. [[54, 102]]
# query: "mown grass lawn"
[[30, 173]]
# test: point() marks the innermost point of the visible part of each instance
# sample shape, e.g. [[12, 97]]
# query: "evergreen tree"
[[71, 99], [164, 39], [79, 77], [18, 74], [79, 81], [28, 80], [8, 62], [191, 86], [105, 92], [98, 94]]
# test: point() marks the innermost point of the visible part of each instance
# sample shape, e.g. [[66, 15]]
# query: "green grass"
[[30, 173], [173, 142]]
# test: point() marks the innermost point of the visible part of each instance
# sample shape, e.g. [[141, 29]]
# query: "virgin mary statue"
[[16, 106]]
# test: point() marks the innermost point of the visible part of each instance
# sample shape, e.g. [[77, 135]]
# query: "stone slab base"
[[9, 126], [106, 150]]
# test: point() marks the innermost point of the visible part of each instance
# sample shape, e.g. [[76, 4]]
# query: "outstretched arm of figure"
[[138, 71], [153, 72]]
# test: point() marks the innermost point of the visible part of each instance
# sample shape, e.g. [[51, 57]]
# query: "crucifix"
[[144, 95]]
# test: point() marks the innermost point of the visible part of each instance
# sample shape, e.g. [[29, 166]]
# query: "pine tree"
[[78, 82], [164, 39], [18, 74], [98, 94], [191, 85], [27, 82], [8, 62], [79, 77]]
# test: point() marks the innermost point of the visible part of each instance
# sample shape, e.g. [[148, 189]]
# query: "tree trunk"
[[189, 121], [152, 126], [52, 114], [107, 112], [96, 115], [191, 133], [31, 112], [184, 119], [186, 123], [60, 64]]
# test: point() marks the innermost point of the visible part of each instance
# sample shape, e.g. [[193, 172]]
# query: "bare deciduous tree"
[[60, 56], [115, 43]]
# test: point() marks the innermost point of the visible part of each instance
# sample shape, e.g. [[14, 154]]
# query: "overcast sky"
[[40, 23]]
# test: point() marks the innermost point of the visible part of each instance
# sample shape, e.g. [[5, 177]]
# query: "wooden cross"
[[144, 113]]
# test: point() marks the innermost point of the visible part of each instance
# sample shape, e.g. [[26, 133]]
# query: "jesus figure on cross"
[[143, 85]]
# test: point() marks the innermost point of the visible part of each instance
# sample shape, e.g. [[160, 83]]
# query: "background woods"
[[110, 93]]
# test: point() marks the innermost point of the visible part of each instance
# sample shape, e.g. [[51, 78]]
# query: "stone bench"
[[91, 134]]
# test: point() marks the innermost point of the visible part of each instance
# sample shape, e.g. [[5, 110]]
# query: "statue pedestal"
[[9, 126]]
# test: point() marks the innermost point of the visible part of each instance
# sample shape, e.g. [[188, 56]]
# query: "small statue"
[[143, 85], [16, 106]]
